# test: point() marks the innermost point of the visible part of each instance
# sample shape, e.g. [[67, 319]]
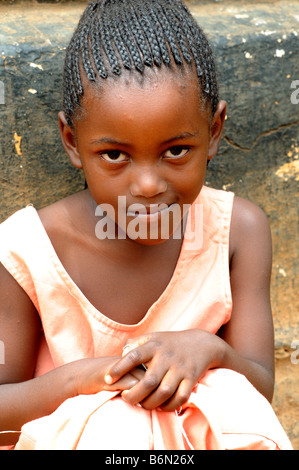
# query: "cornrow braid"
[[154, 34], [106, 38], [168, 33], [84, 46], [202, 53], [179, 33], [114, 35], [139, 35], [128, 37], [72, 83], [120, 43], [96, 49]]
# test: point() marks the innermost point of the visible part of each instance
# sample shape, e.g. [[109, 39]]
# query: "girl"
[[119, 332]]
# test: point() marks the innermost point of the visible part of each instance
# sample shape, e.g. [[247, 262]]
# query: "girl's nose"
[[147, 183]]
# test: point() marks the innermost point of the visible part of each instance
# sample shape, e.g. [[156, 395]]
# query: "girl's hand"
[[175, 362], [89, 376]]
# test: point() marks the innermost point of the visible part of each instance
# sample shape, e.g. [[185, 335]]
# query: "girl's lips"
[[151, 211]]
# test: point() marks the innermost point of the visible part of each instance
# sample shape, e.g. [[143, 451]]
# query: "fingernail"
[[108, 379]]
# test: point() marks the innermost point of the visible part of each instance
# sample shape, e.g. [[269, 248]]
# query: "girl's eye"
[[114, 156], [176, 152]]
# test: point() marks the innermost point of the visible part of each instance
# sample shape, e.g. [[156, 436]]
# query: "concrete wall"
[[257, 49]]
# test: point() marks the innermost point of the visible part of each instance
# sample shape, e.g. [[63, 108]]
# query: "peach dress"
[[224, 410]]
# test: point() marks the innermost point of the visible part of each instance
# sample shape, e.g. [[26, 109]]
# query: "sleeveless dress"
[[224, 410]]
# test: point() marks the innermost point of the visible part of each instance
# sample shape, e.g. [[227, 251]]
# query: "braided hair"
[[117, 35]]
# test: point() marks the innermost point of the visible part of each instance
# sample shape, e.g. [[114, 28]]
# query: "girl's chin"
[[146, 229]]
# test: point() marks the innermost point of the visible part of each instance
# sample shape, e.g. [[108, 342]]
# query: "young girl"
[[119, 331]]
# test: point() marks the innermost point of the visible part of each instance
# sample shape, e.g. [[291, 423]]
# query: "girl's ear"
[[217, 129], [69, 141]]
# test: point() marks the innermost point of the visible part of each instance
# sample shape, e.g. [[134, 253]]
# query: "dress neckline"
[[79, 295]]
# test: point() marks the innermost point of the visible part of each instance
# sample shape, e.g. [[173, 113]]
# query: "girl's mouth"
[[152, 211]]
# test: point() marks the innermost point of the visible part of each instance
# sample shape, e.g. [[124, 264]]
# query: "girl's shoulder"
[[66, 223], [249, 226], [65, 215], [248, 216]]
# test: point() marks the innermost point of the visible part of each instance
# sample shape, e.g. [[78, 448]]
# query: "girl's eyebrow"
[[185, 135], [109, 140]]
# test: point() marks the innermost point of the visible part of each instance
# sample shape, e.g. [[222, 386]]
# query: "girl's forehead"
[[153, 85], [164, 105]]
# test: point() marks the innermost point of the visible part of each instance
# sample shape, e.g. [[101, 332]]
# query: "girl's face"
[[149, 143]]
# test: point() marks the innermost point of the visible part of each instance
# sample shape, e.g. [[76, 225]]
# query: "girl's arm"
[[23, 398], [250, 330], [177, 360]]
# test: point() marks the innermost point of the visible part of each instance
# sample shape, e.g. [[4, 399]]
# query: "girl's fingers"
[[167, 393], [138, 373], [142, 390], [127, 363], [151, 380], [180, 397], [135, 343], [164, 392], [125, 383]]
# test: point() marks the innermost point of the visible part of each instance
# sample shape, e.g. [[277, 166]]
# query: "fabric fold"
[[223, 412]]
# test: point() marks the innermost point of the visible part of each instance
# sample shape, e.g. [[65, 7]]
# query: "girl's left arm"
[[177, 360], [249, 333]]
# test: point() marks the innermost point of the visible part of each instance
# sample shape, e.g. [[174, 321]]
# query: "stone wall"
[[257, 49]]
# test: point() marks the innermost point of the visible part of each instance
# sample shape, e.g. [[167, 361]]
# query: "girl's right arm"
[[22, 397]]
